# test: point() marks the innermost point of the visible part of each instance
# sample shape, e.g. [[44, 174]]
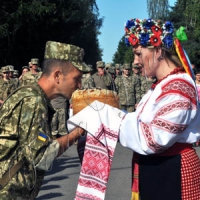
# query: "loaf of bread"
[[82, 98]]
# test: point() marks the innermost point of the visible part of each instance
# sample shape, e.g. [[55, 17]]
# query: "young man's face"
[[69, 82], [34, 66], [5, 75], [198, 77], [100, 70]]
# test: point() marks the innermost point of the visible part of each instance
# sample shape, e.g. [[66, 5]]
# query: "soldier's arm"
[[89, 83], [11, 88], [107, 79], [69, 139], [117, 84], [40, 148]]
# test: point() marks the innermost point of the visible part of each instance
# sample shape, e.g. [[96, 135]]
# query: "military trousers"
[[128, 108]]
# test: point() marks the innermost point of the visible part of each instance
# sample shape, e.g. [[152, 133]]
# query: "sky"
[[115, 14]]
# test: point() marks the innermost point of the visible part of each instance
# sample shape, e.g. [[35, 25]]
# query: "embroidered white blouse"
[[165, 115]]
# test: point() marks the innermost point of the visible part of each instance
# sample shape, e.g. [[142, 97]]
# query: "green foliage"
[[129, 57], [158, 9], [26, 25], [123, 54], [185, 13]]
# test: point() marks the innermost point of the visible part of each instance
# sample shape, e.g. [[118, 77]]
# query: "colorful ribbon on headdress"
[[181, 36]]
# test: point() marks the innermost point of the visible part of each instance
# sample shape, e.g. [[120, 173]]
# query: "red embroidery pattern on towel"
[[96, 163]]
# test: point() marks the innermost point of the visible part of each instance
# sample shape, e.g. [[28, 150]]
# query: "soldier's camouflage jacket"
[[145, 85], [29, 78], [128, 89], [25, 134], [87, 81], [6, 88]]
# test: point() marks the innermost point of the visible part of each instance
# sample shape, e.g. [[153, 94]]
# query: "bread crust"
[[82, 98]]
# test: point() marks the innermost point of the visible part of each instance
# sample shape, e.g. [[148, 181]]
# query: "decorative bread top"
[[85, 93], [84, 97]]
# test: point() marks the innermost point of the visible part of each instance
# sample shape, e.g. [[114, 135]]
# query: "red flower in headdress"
[[155, 40], [137, 20], [156, 30], [133, 39]]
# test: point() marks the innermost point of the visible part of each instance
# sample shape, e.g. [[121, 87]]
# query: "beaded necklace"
[[175, 71]]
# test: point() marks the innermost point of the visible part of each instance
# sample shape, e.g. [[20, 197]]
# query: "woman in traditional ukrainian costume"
[[167, 119]]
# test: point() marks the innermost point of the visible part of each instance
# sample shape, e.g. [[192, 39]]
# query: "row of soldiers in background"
[[123, 79], [10, 79]]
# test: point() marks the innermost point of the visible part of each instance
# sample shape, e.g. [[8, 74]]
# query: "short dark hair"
[[49, 64], [196, 71]]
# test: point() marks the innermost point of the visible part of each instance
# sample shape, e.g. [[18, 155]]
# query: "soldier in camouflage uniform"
[[11, 71], [145, 83], [101, 78], [27, 147], [25, 69], [87, 80], [13, 80], [59, 121], [16, 74], [118, 70], [6, 86], [128, 89], [112, 72], [33, 75], [107, 67]]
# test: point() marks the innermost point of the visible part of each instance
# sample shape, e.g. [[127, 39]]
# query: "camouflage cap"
[[126, 66], [4, 69], [25, 67], [117, 66], [100, 64], [11, 68], [108, 65], [35, 61], [62, 51], [16, 72], [91, 67]]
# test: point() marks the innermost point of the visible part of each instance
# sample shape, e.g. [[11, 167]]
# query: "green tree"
[[123, 54], [26, 25], [185, 13], [158, 9]]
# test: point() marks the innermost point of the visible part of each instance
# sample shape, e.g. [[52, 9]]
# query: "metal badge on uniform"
[[42, 137]]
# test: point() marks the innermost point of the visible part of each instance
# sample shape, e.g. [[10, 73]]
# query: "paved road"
[[60, 182]]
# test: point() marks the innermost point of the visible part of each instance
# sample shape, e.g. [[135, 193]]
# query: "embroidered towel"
[[102, 123]]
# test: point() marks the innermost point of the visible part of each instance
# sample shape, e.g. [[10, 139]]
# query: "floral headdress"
[[149, 33], [155, 33]]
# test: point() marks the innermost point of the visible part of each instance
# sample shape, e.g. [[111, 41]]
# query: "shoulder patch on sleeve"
[[42, 137]]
